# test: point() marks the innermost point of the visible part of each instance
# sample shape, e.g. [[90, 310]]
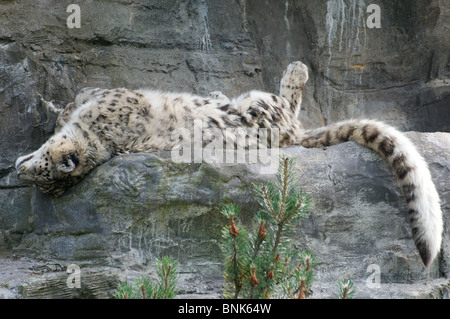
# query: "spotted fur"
[[102, 123], [408, 165]]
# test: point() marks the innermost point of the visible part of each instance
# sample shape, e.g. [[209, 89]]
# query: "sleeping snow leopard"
[[102, 123]]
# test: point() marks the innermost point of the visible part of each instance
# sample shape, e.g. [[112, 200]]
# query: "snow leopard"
[[102, 123]]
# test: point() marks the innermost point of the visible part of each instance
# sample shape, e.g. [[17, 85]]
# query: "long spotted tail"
[[409, 167]]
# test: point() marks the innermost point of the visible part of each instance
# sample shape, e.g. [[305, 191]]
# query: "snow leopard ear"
[[69, 163]]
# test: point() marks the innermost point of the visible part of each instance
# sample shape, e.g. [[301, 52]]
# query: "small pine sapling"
[[144, 288], [264, 264], [346, 289]]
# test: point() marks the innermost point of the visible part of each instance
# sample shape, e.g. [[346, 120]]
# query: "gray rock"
[[398, 73], [139, 207]]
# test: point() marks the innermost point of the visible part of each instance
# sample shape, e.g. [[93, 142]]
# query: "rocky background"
[[136, 208]]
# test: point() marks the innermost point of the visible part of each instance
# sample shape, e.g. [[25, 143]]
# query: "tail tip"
[[426, 257], [426, 254]]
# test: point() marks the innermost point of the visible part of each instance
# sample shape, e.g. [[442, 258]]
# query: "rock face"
[[398, 73], [139, 207]]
